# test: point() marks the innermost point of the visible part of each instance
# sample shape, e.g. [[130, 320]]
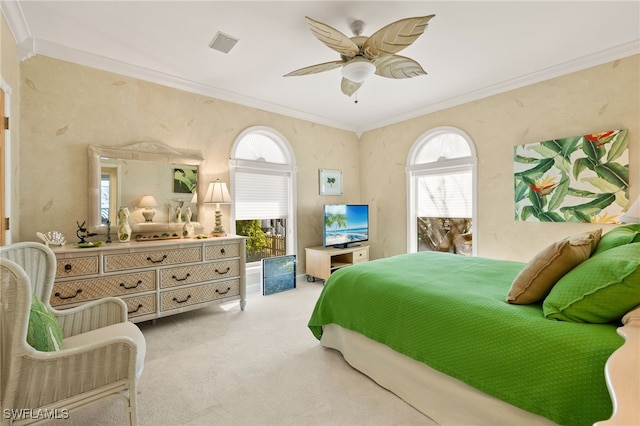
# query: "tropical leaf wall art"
[[577, 179]]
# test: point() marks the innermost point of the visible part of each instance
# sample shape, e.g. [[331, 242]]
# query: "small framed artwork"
[[185, 180], [330, 182], [278, 274]]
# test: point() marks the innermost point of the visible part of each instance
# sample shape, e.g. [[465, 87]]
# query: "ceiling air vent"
[[223, 42]]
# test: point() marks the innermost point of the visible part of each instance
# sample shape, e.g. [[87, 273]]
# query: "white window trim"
[[270, 133], [438, 167], [249, 165]]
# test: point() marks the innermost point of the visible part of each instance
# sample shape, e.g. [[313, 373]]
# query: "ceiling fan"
[[363, 56]]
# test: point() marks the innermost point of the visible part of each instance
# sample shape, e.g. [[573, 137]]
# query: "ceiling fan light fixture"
[[358, 70]]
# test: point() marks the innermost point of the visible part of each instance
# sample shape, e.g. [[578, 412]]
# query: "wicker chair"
[[102, 353]]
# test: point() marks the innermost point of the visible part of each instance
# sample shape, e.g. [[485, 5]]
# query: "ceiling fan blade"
[[395, 36], [348, 87], [333, 38], [396, 66], [314, 69]]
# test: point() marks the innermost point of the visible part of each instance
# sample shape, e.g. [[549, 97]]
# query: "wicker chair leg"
[[132, 408]]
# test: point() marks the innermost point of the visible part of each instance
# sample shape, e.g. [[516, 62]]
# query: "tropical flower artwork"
[[577, 179]]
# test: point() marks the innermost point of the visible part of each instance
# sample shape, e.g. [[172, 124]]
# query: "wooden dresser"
[[154, 278]]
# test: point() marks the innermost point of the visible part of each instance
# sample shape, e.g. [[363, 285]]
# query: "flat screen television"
[[345, 224]]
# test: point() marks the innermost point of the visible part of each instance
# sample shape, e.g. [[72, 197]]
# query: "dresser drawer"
[[174, 299], [154, 279], [361, 255], [76, 266], [140, 305], [222, 251], [183, 275], [94, 288], [121, 262]]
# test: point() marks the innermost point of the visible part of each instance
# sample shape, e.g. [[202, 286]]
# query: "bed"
[[435, 329]]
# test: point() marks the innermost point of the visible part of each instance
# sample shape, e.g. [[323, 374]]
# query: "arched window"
[[263, 187], [441, 188]]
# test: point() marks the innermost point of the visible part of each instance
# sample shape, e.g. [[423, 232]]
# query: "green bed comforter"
[[450, 313]]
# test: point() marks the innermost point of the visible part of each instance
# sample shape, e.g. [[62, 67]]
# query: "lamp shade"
[[358, 70], [217, 193], [148, 201], [633, 214]]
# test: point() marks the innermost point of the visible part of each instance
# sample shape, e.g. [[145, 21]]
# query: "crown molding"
[[12, 12], [599, 58], [29, 46], [100, 62], [46, 48]]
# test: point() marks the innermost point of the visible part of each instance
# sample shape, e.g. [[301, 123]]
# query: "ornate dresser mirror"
[[156, 182]]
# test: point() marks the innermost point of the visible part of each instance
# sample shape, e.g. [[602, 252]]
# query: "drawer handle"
[[123, 285], [164, 256], [181, 279], [222, 251], [181, 301], [224, 272], [223, 292], [68, 267], [135, 310], [59, 296]]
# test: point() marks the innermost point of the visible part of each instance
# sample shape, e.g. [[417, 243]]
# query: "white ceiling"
[[470, 50]]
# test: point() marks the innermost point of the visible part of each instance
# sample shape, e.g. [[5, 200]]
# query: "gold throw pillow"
[[538, 276]]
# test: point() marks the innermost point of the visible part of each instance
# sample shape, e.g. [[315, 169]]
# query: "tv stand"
[[347, 245], [322, 261]]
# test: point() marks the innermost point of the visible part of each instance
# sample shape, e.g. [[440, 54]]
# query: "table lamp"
[[217, 193], [148, 202]]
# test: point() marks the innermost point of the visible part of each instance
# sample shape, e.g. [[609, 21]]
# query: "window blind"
[[261, 195], [444, 195]]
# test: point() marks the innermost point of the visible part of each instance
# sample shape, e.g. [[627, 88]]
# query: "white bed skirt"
[[442, 398]]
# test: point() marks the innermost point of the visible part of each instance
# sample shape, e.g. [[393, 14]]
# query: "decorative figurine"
[[108, 231], [178, 215], [82, 232], [124, 229], [187, 229], [52, 238]]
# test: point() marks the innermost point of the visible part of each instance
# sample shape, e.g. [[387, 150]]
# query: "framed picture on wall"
[[330, 182], [581, 179], [185, 179]]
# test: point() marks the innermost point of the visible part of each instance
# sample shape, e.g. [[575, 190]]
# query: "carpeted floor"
[[222, 366]]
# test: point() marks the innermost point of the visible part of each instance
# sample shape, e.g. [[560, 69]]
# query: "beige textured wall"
[[67, 107], [10, 71], [597, 99]]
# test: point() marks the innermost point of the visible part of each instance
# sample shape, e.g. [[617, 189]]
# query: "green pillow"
[[599, 290], [44, 333], [619, 236]]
